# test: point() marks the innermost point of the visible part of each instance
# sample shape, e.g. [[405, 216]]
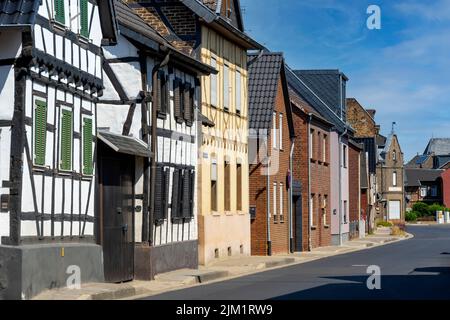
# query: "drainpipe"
[[154, 142], [340, 184], [309, 183], [291, 232], [269, 241]]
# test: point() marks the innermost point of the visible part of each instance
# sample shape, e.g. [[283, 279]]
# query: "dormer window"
[[59, 11]]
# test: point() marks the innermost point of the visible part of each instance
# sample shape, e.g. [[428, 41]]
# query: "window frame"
[[213, 181], [35, 105], [214, 78], [82, 145], [394, 179], [281, 206], [226, 87], [85, 33], [274, 200], [280, 131], [274, 131], [238, 92], [59, 17]]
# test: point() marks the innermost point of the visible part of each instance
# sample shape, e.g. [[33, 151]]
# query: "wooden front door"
[[298, 223], [116, 174]]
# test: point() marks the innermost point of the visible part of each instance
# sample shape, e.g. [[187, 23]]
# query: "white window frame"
[[280, 128], [238, 92], [281, 199], [274, 196], [213, 83], [311, 143], [311, 209], [274, 130], [423, 192], [394, 178], [226, 86], [324, 147]]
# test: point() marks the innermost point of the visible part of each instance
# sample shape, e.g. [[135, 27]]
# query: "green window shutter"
[[59, 11], [40, 131], [84, 18], [66, 140], [87, 147]]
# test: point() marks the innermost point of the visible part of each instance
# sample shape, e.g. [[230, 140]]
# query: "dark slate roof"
[[440, 161], [438, 146], [381, 141], [18, 12], [309, 94], [124, 144], [371, 148], [417, 161], [264, 72], [414, 176]]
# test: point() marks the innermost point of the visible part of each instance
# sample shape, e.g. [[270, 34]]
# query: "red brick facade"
[[279, 223], [319, 228]]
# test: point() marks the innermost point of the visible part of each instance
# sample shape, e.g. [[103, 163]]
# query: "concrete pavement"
[[217, 271]]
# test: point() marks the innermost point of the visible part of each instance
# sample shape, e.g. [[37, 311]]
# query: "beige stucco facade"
[[223, 232]]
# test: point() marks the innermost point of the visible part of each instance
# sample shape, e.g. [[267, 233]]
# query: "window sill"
[[313, 227], [326, 226], [215, 214]]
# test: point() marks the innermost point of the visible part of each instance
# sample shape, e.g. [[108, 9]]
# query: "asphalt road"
[[418, 268]]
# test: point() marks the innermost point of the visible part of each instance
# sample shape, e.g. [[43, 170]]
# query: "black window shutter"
[[165, 94], [177, 101], [166, 192], [175, 193], [191, 193], [157, 86], [187, 110], [159, 215], [186, 194]]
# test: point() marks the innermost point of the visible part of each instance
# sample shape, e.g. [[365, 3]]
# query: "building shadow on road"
[[431, 283]]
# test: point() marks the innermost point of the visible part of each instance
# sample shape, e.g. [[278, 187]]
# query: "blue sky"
[[402, 70]]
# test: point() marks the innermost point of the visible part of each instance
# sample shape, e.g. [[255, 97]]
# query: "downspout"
[[154, 137], [269, 241], [291, 165], [309, 182]]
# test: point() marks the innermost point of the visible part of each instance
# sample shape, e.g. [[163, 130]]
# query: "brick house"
[[423, 185], [390, 174], [311, 158], [325, 90], [270, 122], [366, 132], [446, 187], [213, 32]]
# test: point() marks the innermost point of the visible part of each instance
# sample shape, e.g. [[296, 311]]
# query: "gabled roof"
[[438, 146], [415, 176], [236, 16], [310, 96], [221, 24], [23, 13], [133, 27], [265, 70], [417, 161]]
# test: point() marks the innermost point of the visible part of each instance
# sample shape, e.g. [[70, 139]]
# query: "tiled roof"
[[264, 73], [314, 99], [414, 176], [22, 12], [125, 144], [438, 146]]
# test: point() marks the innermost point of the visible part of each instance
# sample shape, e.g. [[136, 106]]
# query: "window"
[[311, 210], [213, 79], [178, 103], [227, 186], [59, 11], [324, 210], [344, 156], [40, 131], [87, 146], [274, 200], [280, 127], [226, 87], [188, 107], [84, 24], [319, 150], [423, 192], [394, 155], [239, 187], [162, 95], [162, 193], [345, 212], [394, 210], [324, 148], [274, 130], [311, 144], [281, 202], [434, 191], [394, 179], [214, 185], [238, 92], [66, 136]]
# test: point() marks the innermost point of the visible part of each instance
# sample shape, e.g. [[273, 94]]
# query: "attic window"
[[394, 155]]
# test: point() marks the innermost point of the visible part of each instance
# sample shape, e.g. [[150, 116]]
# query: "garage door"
[[394, 210]]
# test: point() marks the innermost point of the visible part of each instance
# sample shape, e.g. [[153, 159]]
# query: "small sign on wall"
[[253, 212]]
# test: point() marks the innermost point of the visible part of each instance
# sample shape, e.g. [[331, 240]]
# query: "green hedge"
[[411, 216], [422, 209]]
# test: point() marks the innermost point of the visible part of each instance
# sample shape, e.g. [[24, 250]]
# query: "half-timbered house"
[[50, 81], [147, 209]]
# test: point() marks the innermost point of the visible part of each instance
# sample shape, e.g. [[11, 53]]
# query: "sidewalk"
[[217, 271]]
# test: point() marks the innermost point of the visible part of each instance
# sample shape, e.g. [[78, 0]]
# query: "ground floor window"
[[394, 210]]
